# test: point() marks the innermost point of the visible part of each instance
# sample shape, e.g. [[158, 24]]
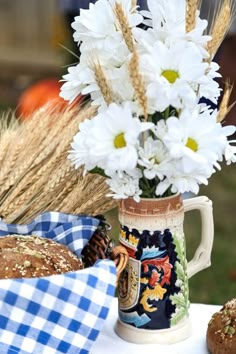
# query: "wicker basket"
[[100, 246]]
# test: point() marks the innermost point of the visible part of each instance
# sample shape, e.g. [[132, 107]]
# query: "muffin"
[[34, 256], [221, 332]]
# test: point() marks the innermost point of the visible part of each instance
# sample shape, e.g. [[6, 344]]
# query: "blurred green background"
[[30, 36]]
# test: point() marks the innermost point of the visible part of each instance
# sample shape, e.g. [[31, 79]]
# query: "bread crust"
[[221, 332], [33, 256]]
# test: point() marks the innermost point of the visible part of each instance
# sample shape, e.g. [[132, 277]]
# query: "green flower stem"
[[99, 171], [167, 113], [148, 187], [146, 183]]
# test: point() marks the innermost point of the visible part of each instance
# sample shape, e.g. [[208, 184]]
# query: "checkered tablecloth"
[[62, 313]]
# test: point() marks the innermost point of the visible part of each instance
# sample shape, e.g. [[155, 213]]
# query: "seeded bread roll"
[[221, 332], [33, 256]]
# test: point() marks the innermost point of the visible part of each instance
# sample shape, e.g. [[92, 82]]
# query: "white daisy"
[[230, 152], [102, 41], [81, 79], [154, 158], [209, 88], [160, 129], [112, 54], [180, 181], [121, 87], [169, 13], [100, 23], [172, 74], [166, 19], [74, 84], [197, 36], [195, 137], [223, 142], [123, 187], [81, 147], [115, 137]]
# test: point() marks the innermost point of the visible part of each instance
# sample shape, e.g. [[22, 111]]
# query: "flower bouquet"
[[158, 132], [151, 75]]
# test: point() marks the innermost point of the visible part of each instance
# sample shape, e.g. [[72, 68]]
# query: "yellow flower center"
[[192, 144], [119, 141], [170, 75]]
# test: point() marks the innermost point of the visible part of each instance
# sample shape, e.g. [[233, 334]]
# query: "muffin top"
[[33, 256]]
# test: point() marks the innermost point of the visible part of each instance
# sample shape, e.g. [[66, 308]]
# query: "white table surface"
[[109, 343]]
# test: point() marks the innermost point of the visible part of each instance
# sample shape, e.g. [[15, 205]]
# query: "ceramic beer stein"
[[153, 289]]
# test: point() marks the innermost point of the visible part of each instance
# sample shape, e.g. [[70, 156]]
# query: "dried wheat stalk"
[[30, 135], [45, 194], [124, 26], [221, 23], [103, 83], [42, 178], [134, 3], [8, 120], [191, 9], [225, 108], [138, 83], [8, 134]]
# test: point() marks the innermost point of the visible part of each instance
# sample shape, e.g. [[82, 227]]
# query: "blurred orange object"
[[41, 93]]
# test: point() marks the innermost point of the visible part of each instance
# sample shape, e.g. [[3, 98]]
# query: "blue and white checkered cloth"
[[62, 313]]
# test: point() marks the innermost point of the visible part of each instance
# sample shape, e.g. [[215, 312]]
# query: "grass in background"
[[216, 284]]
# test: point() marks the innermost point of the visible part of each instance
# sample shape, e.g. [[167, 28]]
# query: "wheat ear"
[[40, 147], [8, 121], [48, 188], [29, 179], [95, 205], [138, 82], [124, 26], [134, 3], [220, 25], [84, 189], [225, 108], [5, 144], [191, 9], [103, 83]]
